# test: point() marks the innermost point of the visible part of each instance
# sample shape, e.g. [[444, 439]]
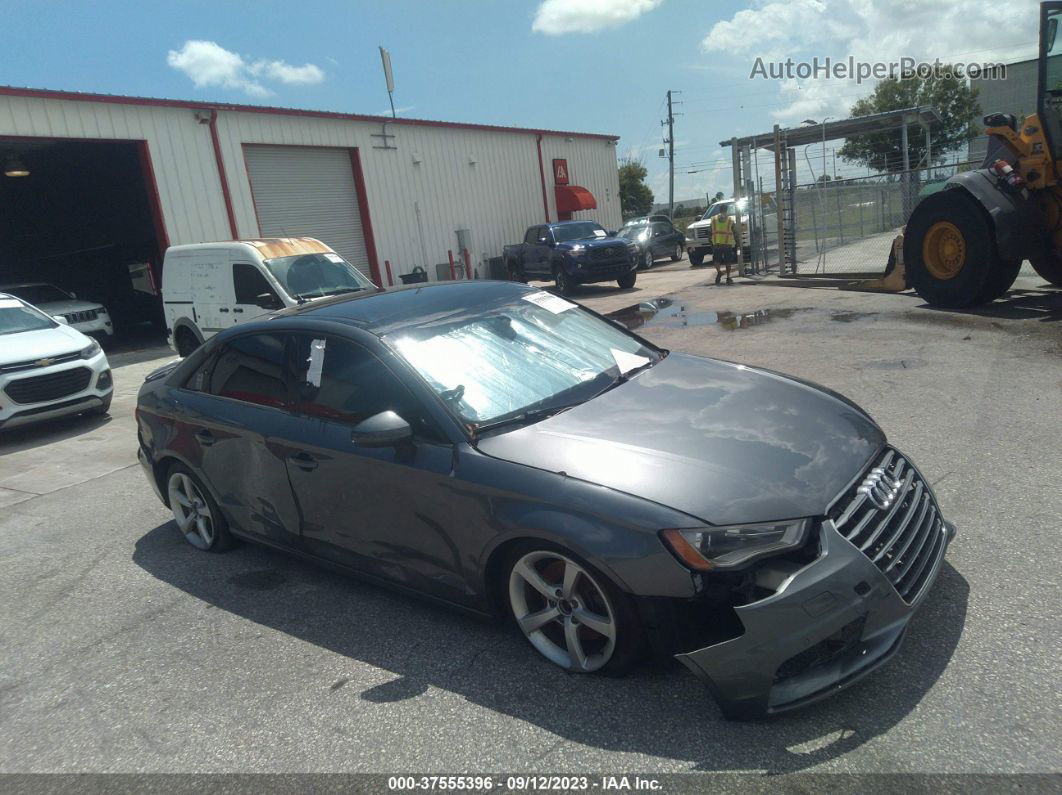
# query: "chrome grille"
[[52, 386], [33, 364], [704, 233], [81, 317], [893, 518]]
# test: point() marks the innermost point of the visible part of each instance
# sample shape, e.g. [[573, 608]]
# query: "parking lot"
[[126, 650]]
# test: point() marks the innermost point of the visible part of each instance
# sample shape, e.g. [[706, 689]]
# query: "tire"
[[949, 252], [516, 274], [195, 512], [570, 613], [627, 280], [1048, 266], [647, 258], [999, 281], [676, 255], [696, 257], [186, 341], [564, 283]]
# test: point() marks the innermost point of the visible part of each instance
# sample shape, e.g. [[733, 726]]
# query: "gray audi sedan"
[[507, 451]]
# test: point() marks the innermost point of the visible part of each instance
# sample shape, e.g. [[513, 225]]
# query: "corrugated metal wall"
[[436, 181]]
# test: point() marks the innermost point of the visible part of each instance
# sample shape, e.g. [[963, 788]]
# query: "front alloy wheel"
[[563, 611], [647, 258]]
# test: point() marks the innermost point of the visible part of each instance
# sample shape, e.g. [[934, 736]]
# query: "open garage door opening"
[[79, 215]]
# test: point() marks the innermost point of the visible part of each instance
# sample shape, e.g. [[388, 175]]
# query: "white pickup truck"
[[699, 233]]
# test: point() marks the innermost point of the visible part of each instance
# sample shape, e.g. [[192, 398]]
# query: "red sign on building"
[[560, 172]]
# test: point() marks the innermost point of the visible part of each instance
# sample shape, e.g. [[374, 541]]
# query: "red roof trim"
[[114, 99]]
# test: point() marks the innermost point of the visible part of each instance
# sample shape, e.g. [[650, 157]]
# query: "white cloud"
[[209, 64], [557, 17], [870, 31]]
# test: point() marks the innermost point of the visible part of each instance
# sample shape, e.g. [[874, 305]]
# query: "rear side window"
[[251, 369], [249, 283], [532, 234]]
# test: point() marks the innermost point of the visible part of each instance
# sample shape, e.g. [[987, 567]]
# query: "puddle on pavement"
[[669, 313]]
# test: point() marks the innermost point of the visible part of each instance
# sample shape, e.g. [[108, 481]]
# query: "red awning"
[[572, 198]]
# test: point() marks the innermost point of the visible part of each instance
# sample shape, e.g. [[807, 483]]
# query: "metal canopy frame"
[[783, 143]]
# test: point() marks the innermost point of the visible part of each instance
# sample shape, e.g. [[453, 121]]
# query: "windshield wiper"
[[341, 290], [524, 417]]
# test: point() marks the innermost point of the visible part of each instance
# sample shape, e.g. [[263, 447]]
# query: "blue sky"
[[588, 65]]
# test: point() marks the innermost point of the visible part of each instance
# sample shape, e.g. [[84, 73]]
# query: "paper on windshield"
[[333, 258], [600, 233], [8, 303], [628, 361], [317, 354], [549, 301]]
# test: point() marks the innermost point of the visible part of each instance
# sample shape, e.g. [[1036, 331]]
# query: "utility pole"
[[670, 141]]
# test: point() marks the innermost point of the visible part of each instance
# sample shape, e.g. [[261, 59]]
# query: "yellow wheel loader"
[[964, 245]]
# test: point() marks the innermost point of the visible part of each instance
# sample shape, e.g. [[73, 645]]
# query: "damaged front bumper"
[[827, 625]]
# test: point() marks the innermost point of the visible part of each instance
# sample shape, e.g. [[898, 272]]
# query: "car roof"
[[383, 312], [568, 223], [17, 285]]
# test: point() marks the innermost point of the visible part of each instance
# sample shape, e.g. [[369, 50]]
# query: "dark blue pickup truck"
[[572, 253]]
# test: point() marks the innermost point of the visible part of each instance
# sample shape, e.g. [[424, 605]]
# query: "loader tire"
[[949, 251], [1048, 267], [999, 281]]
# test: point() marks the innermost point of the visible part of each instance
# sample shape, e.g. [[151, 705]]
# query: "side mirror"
[[611, 233], [73, 294], [62, 321], [268, 301], [385, 429]]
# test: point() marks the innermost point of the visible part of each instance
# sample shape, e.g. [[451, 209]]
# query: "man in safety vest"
[[723, 255]]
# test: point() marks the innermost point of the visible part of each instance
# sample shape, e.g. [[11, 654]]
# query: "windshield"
[[580, 231], [536, 352], [16, 317], [314, 275], [37, 293], [633, 232]]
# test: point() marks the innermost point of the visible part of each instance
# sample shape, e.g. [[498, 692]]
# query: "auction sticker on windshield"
[[554, 303]]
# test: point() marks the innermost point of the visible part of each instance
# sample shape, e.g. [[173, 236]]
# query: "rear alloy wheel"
[[676, 255], [950, 255], [195, 512], [186, 343], [517, 275], [1048, 266], [564, 611]]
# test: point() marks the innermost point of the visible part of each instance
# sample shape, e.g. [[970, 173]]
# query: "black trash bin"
[[417, 276]]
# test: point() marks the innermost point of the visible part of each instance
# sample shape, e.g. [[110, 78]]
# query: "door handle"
[[205, 438], [304, 461], [224, 309], [238, 309]]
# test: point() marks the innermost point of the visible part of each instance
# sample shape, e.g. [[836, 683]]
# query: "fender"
[[184, 322], [1016, 222]]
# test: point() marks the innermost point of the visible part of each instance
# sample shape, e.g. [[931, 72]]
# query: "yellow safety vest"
[[722, 230]]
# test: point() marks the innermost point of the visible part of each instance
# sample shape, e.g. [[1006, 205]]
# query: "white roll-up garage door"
[[308, 192]]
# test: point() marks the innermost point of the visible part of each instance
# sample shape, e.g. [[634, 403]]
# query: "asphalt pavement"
[[126, 650]]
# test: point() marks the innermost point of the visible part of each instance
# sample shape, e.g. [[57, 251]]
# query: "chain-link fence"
[[847, 226]]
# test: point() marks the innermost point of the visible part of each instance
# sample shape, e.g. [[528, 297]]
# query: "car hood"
[[29, 345], [721, 442], [62, 307]]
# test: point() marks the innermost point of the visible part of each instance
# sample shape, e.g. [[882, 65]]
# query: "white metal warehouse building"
[[114, 180]]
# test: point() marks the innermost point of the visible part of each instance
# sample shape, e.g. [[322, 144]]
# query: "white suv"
[[47, 368], [699, 233], [88, 317]]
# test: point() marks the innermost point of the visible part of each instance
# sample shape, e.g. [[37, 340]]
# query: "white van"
[[208, 287]]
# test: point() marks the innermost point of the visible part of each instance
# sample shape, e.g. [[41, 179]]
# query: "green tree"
[[635, 196], [954, 100]]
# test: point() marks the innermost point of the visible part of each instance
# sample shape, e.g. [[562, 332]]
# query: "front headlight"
[[710, 548], [91, 350]]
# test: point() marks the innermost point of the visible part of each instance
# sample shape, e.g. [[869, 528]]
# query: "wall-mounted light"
[[203, 116], [14, 167], [416, 158], [569, 139], [472, 161]]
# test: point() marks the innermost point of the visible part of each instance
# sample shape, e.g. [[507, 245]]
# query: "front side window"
[[16, 317], [251, 369], [249, 283], [343, 382], [306, 276], [536, 352]]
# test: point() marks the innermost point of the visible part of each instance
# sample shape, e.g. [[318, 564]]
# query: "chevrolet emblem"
[[44, 362]]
